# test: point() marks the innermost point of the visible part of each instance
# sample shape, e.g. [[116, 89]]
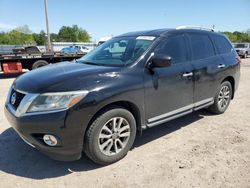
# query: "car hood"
[[65, 76]]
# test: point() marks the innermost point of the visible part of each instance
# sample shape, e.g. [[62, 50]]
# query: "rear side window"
[[222, 44], [202, 46], [175, 47]]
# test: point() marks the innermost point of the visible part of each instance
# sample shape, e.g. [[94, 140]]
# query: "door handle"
[[187, 74], [220, 66]]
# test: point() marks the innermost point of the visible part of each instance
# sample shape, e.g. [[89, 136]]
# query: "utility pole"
[[47, 24]]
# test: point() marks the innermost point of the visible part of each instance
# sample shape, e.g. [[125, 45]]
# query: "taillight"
[[238, 59]]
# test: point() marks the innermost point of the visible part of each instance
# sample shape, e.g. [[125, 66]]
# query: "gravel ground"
[[198, 150]]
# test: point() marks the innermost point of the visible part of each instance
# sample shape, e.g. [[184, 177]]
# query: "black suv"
[[130, 83]]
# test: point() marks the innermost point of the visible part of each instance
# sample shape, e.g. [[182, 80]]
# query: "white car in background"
[[83, 49], [103, 39]]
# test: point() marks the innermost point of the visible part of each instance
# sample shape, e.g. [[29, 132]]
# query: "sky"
[[113, 17]]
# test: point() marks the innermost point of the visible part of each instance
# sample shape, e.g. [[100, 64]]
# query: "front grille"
[[18, 98]]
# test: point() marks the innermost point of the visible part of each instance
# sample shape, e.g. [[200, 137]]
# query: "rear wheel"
[[222, 98], [39, 63], [110, 136], [245, 55]]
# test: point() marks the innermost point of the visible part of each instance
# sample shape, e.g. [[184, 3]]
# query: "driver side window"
[[175, 47]]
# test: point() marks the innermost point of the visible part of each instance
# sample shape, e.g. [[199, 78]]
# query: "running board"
[[179, 112], [169, 118]]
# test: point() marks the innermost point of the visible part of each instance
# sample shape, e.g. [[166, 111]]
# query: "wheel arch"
[[124, 104], [232, 82]]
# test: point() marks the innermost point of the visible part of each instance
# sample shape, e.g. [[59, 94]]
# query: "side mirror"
[[159, 61]]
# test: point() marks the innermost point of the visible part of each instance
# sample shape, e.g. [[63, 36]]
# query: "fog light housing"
[[50, 140]]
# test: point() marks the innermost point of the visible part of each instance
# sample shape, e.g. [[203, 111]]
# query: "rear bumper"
[[63, 125]]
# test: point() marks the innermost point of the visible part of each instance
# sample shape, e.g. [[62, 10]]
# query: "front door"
[[169, 90]]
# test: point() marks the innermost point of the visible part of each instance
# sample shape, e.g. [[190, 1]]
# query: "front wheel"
[[110, 136], [222, 98]]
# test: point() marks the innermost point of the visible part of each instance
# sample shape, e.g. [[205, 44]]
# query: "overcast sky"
[[113, 17]]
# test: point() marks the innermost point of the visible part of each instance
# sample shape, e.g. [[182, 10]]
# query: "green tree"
[[16, 37], [238, 36], [73, 34], [24, 29], [54, 37], [67, 34], [231, 36], [83, 36], [40, 38], [20, 35], [4, 38]]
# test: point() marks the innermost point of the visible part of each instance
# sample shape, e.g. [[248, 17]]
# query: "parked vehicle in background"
[[83, 49], [130, 83], [75, 49], [103, 39], [31, 57], [69, 50], [58, 46], [26, 50], [243, 49]]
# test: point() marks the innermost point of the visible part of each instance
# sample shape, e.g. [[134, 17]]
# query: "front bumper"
[[240, 52], [62, 124]]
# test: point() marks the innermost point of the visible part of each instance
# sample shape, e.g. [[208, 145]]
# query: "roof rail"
[[195, 27]]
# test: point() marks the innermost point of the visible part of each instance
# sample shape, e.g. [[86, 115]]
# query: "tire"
[[108, 150], [39, 63], [219, 106]]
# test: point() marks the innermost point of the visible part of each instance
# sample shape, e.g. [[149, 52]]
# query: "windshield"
[[118, 51], [240, 45]]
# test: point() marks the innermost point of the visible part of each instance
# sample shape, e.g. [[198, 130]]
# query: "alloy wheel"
[[114, 136], [224, 97]]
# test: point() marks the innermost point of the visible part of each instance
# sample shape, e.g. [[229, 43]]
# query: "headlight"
[[56, 101]]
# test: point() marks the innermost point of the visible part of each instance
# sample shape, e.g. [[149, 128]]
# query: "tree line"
[[238, 36], [23, 35]]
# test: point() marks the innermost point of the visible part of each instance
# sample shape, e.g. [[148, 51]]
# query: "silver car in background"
[[243, 49]]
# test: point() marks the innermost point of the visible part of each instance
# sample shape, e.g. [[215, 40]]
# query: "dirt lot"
[[198, 150]]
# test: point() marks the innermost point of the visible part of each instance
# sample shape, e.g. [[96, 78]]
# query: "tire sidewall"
[[226, 83], [39, 63], [93, 145]]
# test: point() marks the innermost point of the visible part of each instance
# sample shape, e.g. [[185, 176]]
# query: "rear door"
[[205, 63]]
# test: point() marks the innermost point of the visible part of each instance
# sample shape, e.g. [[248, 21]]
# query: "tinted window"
[[222, 44], [118, 51], [174, 47], [202, 46]]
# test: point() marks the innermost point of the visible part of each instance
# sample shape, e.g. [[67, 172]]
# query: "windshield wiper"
[[97, 64], [90, 63], [87, 62]]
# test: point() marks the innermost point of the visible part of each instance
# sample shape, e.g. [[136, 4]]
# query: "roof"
[[156, 32], [162, 32]]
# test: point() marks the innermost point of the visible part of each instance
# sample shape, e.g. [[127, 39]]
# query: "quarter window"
[[173, 46], [222, 44], [202, 46]]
